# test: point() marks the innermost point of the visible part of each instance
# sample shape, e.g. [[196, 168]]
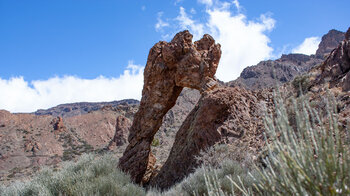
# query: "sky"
[[55, 52]]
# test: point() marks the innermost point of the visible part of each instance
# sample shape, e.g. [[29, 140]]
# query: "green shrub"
[[155, 142], [301, 84], [90, 175]]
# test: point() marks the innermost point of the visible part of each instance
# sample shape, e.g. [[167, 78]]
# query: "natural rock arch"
[[170, 67]]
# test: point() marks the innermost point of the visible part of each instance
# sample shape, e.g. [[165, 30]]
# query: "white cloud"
[[308, 47], [18, 95], [243, 42], [187, 23], [160, 23]]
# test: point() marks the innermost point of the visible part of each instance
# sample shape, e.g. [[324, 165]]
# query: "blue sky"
[[54, 52]]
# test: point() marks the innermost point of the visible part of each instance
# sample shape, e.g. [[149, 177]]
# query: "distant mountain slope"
[[275, 72], [75, 109]]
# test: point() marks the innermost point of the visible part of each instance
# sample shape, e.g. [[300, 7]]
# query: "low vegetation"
[[90, 175], [301, 84], [309, 158]]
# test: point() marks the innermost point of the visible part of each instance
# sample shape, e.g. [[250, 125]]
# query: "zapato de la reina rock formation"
[[171, 67]]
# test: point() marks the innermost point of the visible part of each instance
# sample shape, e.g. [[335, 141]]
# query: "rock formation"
[[122, 127], [170, 67], [223, 115], [329, 41], [336, 67], [58, 124]]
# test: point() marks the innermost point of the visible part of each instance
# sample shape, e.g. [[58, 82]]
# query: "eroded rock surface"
[[329, 41], [170, 67], [122, 127], [58, 124], [336, 68], [224, 115]]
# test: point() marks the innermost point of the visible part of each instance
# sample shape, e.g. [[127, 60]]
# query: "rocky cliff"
[[329, 41]]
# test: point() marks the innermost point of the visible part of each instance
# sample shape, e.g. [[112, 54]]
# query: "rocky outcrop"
[[122, 127], [329, 41], [222, 115], [170, 67], [336, 68], [58, 124], [32, 146]]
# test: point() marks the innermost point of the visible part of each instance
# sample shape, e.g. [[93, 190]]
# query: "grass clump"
[[90, 175]]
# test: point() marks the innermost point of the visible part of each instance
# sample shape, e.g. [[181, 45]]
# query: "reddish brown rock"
[[222, 115], [170, 67], [58, 124], [32, 146], [329, 42], [336, 68], [122, 127]]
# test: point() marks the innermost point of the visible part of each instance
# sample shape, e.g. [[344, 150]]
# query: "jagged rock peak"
[[329, 42], [336, 68]]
